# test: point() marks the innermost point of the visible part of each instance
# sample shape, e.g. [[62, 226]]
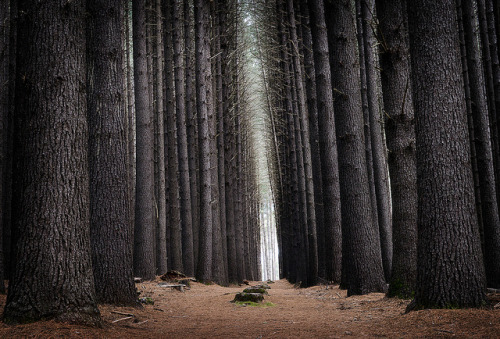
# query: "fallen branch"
[[117, 320], [121, 313]]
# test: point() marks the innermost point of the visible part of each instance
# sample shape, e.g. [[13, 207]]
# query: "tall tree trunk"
[[51, 202], [362, 270], [312, 255], [221, 264], [182, 143], [144, 236], [205, 113], [447, 224], [312, 108], [8, 140], [174, 210], [160, 186], [110, 228], [366, 119], [482, 143], [192, 133], [327, 143], [400, 134], [375, 106], [4, 113]]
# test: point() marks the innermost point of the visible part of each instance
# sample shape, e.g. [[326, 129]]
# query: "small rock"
[[348, 333], [246, 282], [146, 301]]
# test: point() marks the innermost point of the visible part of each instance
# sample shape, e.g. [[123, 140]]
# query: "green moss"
[[399, 289], [255, 290], [254, 304]]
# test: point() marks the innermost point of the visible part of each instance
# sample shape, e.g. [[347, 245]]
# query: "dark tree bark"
[[182, 143], [191, 128], [447, 223], [144, 236], [362, 270], [159, 121], [110, 229], [51, 202], [205, 114], [366, 118], [400, 134], [4, 113], [8, 242], [174, 201], [379, 151], [312, 108], [310, 231], [220, 241], [327, 142], [227, 42], [131, 135], [482, 144]]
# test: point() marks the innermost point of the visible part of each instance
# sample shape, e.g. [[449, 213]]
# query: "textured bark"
[[327, 143], [160, 194], [366, 118], [4, 113], [51, 202], [182, 143], [482, 143], [7, 161], [110, 229], [312, 108], [131, 135], [447, 224], [227, 41], [362, 270], [379, 151], [191, 121], [400, 134], [174, 203], [144, 236], [238, 198], [310, 231], [220, 242], [205, 113]]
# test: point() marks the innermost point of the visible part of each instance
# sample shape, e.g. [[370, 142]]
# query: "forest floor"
[[206, 311]]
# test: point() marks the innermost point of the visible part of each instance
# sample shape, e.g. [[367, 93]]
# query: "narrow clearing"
[[205, 311]]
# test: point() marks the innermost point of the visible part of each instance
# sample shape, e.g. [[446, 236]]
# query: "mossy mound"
[[252, 297]]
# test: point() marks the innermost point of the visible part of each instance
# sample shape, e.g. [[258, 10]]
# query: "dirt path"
[[317, 312]]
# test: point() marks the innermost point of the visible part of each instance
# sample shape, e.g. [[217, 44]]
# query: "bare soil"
[[206, 311]]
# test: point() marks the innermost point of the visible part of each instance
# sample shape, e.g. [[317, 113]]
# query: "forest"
[[311, 143]]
